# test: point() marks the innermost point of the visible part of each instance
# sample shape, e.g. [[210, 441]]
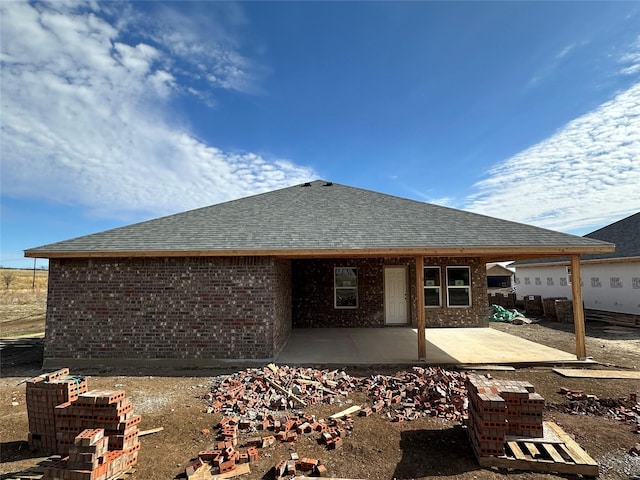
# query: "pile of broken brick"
[[250, 400], [225, 457], [405, 396], [623, 409]]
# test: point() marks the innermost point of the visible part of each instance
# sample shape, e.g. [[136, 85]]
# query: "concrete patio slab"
[[445, 346]]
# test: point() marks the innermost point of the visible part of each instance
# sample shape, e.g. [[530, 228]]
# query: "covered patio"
[[397, 346]]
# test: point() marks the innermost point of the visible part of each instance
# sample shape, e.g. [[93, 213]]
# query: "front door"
[[395, 295]]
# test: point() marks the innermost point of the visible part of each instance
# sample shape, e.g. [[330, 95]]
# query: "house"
[[498, 276], [610, 280], [232, 280]]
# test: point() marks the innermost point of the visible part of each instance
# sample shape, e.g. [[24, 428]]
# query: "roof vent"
[[307, 184], [328, 184]]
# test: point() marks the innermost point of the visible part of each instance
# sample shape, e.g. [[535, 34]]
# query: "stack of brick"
[[97, 428], [498, 408], [43, 395], [109, 410], [89, 459], [88, 450]]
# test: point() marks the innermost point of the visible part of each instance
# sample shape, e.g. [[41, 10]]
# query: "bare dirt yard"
[[377, 448]]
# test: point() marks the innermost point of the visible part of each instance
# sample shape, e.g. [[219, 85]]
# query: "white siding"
[[612, 287]]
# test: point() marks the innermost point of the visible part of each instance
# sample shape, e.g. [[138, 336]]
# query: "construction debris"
[[250, 400], [311, 466], [420, 392], [406, 396], [150, 431], [623, 409]]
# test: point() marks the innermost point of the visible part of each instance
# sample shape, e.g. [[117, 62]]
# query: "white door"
[[395, 295]]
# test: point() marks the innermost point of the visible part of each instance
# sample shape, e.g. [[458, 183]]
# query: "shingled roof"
[[322, 218], [625, 234]]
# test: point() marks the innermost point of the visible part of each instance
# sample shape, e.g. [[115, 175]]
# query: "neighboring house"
[[610, 281], [498, 276], [230, 281]]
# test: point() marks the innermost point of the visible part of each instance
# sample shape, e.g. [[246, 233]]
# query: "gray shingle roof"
[[320, 216], [625, 234]]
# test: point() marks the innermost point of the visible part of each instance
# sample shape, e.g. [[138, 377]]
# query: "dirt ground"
[[377, 448]]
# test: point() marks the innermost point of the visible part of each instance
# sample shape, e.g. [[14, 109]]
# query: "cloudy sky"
[[118, 112]]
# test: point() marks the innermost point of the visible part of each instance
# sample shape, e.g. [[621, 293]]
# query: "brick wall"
[[475, 316], [313, 296], [163, 308]]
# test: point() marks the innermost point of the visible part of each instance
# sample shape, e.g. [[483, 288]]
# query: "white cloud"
[[565, 51], [86, 116], [631, 59], [587, 174]]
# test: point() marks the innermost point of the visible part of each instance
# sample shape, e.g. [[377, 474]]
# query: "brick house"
[[232, 280]]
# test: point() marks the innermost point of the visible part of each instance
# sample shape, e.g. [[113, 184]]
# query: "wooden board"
[[603, 374], [240, 469], [347, 411], [495, 368], [566, 457], [325, 478]]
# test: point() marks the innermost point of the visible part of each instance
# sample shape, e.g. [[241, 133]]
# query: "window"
[[345, 282], [568, 275], [432, 287], [458, 286]]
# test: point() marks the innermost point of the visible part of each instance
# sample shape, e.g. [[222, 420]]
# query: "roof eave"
[[503, 252], [583, 261]]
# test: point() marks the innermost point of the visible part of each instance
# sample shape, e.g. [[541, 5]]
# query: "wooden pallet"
[[614, 318], [565, 456]]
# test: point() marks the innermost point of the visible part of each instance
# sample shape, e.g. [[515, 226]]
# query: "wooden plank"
[[421, 322], [533, 450], [284, 390], [304, 381], [346, 411], [150, 431], [562, 449], [578, 312], [603, 374], [567, 457], [241, 469], [302, 477], [538, 465], [550, 449], [517, 452], [578, 455], [497, 368]]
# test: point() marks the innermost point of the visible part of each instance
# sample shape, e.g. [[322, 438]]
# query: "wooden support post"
[[578, 311], [422, 324]]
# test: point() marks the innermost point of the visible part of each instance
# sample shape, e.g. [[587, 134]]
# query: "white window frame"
[[454, 287], [437, 288], [568, 276], [336, 287]]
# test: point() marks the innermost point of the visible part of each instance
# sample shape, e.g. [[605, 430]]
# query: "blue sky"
[[118, 112]]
